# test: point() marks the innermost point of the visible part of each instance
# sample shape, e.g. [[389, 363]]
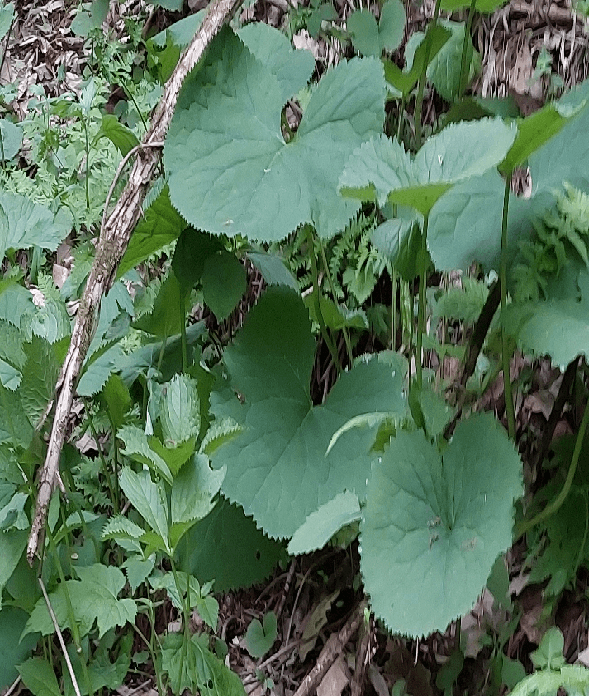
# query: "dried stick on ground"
[[114, 238], [331, 651]]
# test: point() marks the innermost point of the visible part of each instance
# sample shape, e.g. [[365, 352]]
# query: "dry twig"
[[66, 656], [114, 238], [331, 651]]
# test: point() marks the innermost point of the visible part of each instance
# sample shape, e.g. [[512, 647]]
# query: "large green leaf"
[[139, 448], [39, 377], [39, 677], [6, 18], [224, 281], [13, 650], [15, 425], [273, 269], [147, 498], [121, 136], [230, 171], [179, 410], [193, 250], [169, 310], [160, 225], [465, 224], [573, 678], [24, 224], [208, 550], [193, 492], [532, 133], [93, 598], [564, 157], [433, 527], [12, 545], [277, 468], [558, 328], [381, 170], [292, 68], [259, 639], [320, 526]]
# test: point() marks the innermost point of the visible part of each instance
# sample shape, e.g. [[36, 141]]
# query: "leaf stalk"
[[505, 352], [422, 78], [555, 505]]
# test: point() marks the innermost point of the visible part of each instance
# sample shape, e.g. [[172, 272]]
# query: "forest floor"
[[530, 51]]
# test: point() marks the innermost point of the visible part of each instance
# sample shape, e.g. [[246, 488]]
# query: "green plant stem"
[[394, 310], [85, 125], [464, 70], [158, 675], [422, 301], [184, 341], [131, 96], [333, 294], [400, 120], [162, 353], [316, 294], [554, 506], [581, 553], [422, 78], [105, 468], [186, 618], [505, 352]]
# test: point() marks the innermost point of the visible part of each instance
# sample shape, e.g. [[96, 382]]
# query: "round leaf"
[[259, 639], [391, 26], [364, 29], [433, 528], [231, 171]]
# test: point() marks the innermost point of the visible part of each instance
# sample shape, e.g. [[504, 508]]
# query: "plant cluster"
[[211, 463]]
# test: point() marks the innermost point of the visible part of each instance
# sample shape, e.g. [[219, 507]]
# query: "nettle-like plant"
[[214, 444]]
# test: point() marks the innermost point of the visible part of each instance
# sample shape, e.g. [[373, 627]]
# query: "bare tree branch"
[[114, 238], [331, 651]]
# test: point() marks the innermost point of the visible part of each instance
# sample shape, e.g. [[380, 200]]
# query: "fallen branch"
[[114, 238], [331, 651]]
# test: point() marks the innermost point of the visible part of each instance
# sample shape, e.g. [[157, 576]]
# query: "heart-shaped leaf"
[[231, 171], [433, 526], [370, 38], [277, 468], [259, 639]]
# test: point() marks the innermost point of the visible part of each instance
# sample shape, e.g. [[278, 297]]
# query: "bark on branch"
[[114, 238]]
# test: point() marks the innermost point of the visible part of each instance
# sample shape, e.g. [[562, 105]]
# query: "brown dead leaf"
[[531, 622], [314, 623], [540, 402], [60, 274]]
